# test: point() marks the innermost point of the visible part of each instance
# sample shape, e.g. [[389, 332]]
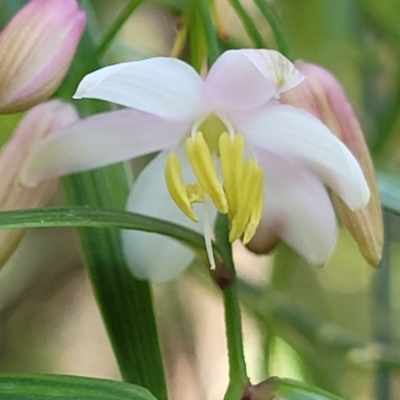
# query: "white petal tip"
[[361, 200], [80, 91]]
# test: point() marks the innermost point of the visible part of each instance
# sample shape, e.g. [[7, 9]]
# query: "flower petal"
[[166, 87], [101, 140], [245, 79], [297, 209], [297, 135], [150, 255]]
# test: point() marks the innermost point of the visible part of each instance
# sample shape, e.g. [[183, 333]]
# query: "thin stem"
[[210, 32], [117, 25], [238, 379], [280, 37], [387, 120], [234, 334], [248, 23], [382, 305]]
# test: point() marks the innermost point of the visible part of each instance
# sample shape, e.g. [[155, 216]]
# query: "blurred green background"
[[336, 328]]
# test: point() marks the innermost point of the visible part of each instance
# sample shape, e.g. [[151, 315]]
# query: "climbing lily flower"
[[226, 145], [36, 49]]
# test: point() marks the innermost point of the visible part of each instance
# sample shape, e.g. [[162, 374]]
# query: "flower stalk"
[[225, 278]]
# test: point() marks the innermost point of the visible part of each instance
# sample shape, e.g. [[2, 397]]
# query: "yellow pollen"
[[176, 187], [202, 164]]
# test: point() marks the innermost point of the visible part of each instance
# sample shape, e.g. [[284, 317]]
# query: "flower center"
[[232, 182]]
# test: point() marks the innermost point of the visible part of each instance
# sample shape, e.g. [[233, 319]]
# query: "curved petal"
[[166, 87], [150, 255], [297, 209], [245, 79], [101, 140], [297, 135]]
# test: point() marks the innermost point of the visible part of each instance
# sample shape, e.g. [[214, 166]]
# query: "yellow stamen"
[[238, 192], [202, 164], [231, 153], [256, 214], [251, 188], [176, 187]]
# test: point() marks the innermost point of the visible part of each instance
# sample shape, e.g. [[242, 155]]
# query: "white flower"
[[225, 143]]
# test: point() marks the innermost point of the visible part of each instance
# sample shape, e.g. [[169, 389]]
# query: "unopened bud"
[[36, 49], [39, 122], [322, 95]]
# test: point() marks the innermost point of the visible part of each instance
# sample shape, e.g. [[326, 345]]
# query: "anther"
[[176, 187], [256, 214], [231, 154], [202, 164], [251, 187]]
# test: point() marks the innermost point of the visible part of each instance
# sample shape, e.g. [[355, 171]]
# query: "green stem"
[[280, 37], [386, 120], [238, 380], [210, 32], [117, 25], [248, 23], [382, 309], [237, 366]]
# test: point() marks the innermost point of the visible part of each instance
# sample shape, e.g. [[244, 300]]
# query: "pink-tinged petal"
[[297, 210], [41, 121], [36, 49], [101, 140], [149, 255], [166, 87], [245, 79], [299, 136]]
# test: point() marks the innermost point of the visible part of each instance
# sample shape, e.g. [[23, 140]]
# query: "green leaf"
[[90, 217], [125, 303], [62, 387], [389, 188], [287, 389]]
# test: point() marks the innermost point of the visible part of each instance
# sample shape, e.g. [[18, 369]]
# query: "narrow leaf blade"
[[63, 387]]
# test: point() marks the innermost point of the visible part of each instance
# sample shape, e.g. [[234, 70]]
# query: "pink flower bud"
[[39, 122], [36, 49], [322, 95]]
